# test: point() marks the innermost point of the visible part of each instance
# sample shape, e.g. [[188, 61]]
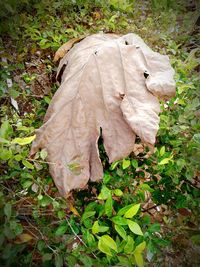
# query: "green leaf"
[[61, 230], [196, 239], [132, 211], [27, 183], [165, 161], [23, 141], [105, 193], [86, 260], [41, 245], [8, 210], [162, 151], [18, 157], [103, 228], [43, 153], [119, 220], [45, 201], [87, 214], [154, 228], [134, 227], [106, 178], [146, 187], [114, 165], [196, 138], [140, 247], [27, 164], [108, 206], [125, 163], [90, 239], [104, 248], [5, 154], [58, 260], [120, 230], [4, 141], [118, 192], [138, 259], [128, 248], [108, 242], [123, 210], [134, 163], [95, 227], [47, 257], [6, 130]]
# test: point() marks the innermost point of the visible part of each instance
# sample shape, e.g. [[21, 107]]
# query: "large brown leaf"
[[109, 83]]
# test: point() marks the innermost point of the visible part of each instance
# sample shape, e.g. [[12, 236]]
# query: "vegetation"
[[146, 205]]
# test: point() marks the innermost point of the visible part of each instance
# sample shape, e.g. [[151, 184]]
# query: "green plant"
[[121, 220]]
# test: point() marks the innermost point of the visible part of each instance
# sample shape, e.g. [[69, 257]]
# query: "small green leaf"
[[140, 247], [90, 239], [109, 242], [196, 138], [146, 187], [134, 227], [4, 141], [27, 183], [105, 193], [41, 245], [154, 228], [104, 248], [106, 178], [6, 130], [5, 154], [119, 220], [47, 257], [165, 161], [103, 228], [86, 260], [162, 151], [118, 192], [138, 259], [123, 210], [8, 210], [23, 141], [129, 245], [125, 163], [87, 214], [27, 164], [134, 163], [58, 260], [95, 227], [114, 165], [61, 230], [120, 230], [43, 153], [45, 201], [108, 206], [18, 157], [132, 211]]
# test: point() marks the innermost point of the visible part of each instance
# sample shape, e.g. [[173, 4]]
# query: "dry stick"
[[42, 236], [41, 161], [155, 206], [79, 237]]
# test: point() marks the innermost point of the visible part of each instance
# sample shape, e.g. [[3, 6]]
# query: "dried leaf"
[[103, 87]]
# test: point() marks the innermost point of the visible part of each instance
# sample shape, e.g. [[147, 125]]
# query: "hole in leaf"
[[146, 74]]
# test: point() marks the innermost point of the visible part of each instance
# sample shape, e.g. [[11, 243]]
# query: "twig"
[[41, 161], [78, 237], [146, 210]]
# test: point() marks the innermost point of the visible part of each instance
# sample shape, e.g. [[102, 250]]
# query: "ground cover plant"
[[145, 211]]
